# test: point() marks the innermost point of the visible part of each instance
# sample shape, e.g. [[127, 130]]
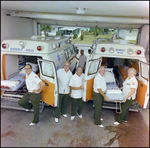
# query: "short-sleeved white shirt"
[[127, 85], [76, 81], [32, 82], [82, 60], [99, 83], [63, 80]]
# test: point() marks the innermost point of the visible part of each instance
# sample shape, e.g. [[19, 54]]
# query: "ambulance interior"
[[119, 67], [14, 71]]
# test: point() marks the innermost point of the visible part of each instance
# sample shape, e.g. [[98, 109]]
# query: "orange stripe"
[[4, 66]]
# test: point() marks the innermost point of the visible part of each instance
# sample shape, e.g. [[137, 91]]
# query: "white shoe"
[[27, 110], [101, 119], [56, 119], [125, 121], [72, 117], [80, 116], [116, 123], [101, 125], [31, 124], [65, 115]]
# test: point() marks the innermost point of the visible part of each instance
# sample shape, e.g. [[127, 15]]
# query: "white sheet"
[[15, 79], [113, 92]]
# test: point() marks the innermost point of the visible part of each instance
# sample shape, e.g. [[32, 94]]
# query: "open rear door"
[[142, 96], [92, 67], [49, 76]]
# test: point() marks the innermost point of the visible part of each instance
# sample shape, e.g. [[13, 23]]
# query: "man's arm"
[[40, 89], [76, 58], [101, 92]]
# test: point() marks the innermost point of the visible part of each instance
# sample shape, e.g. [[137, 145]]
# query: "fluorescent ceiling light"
[[80, 11]]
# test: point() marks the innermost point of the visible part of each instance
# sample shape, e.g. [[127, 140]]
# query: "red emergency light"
[[138, 52], [39, 48], [103, 49], [4, 45]]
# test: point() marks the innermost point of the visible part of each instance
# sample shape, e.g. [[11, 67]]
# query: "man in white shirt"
[[64, 75], [82, 60], [76, 84], [99, 89], [34, 85]]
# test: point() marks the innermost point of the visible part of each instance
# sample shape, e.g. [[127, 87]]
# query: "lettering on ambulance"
[[30, 50], [16, 49], [120, 51]]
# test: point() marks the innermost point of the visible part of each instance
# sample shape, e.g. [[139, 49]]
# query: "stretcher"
[[112, 90], [16, 82]]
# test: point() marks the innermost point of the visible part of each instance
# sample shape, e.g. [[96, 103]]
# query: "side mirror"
[[90, 51]]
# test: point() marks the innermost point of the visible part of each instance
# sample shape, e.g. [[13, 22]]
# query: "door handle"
[[46, 84], [141, 85]]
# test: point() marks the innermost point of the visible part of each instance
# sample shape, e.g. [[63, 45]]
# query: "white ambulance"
[[117, 56], [45, 54]]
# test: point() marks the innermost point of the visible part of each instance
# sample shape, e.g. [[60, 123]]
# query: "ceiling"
[[103, 14]]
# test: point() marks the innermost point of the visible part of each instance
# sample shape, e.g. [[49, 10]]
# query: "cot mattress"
[[113, 92], [5, 85]]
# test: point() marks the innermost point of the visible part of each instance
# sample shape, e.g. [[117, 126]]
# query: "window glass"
[[66, 54], [47, 68], [144, 71], [69, 52], [93, 66]]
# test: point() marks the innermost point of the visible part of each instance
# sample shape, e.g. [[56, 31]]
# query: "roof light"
[[103, 49], [130, 51], [54, 46], [138, 52], [21, 44], [111, 49], [39, 48], [58, 45], [5, 45]]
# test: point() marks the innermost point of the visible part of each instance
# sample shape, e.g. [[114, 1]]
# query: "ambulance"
[[117, 55], [45, 54]]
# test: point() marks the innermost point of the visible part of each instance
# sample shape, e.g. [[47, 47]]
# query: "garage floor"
[[16, 132]]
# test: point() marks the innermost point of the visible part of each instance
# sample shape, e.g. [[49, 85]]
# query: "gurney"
[[112, 90], [17, 81]]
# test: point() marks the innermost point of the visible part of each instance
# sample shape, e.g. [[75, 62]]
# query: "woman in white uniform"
[[129, 92]]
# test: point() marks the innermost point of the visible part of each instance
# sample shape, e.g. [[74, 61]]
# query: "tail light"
[[39, 48], [5, 45], [138, 52], [103, 49]]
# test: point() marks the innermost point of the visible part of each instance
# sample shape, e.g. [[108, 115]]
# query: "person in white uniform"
[[99, 89], [129, 92], [64, 75], [82, 60], [76, 84], [34, 85]]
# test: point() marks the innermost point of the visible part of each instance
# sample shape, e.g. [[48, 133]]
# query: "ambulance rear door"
[[142, 96], [91, 70], [49, 75]]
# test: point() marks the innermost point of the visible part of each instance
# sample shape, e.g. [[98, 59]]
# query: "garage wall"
[[14, 27]]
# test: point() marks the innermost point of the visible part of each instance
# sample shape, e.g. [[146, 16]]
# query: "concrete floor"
[[16, 132]]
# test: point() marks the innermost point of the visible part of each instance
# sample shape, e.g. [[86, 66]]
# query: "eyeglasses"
[[27, 68], [67, 65]]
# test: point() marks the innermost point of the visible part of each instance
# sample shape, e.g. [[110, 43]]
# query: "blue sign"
[[30, 50], [120, 51], [16, 49]]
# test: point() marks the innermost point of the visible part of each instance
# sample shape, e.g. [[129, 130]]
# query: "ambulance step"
[[12, 104]]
